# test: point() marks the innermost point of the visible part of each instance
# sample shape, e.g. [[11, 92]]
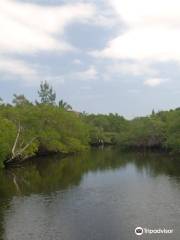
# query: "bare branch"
[[16, 140], [26, 146]]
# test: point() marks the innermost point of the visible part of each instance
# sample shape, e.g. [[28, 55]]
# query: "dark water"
[[99, 195]]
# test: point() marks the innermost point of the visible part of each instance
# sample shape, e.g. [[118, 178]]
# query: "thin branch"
[[26, 146], [21, 144]]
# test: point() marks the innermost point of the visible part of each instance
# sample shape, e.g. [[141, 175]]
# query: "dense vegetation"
[[157, 131], [28, 129], [43, 127]]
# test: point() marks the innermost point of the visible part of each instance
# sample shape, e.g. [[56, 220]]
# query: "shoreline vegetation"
[[46, 127]]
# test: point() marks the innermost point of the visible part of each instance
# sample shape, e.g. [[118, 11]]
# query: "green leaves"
[[7, 136], [54, 130]]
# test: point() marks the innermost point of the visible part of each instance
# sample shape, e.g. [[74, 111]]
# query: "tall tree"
[[1, 101], [153, 113], [46, 93]]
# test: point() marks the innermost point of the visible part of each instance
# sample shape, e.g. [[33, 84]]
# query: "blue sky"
[[100, 56]]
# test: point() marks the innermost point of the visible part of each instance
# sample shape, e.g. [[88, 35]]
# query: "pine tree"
[[46, 93]]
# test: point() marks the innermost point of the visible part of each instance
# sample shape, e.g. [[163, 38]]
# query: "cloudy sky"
[[101, 56]]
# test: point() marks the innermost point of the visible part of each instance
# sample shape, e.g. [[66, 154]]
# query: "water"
[[99, 195]]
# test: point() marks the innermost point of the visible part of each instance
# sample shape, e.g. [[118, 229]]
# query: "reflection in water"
[[102, 194]]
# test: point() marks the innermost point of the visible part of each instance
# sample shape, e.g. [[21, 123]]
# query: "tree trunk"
[[17, 156]]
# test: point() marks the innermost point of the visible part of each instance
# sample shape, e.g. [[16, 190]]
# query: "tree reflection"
[[53, 174]]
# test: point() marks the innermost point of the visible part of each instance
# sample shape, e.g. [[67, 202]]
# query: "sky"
[[101, 56]]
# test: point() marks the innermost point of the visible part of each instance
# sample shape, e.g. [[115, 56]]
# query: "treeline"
[[159, 130], [46, 126]]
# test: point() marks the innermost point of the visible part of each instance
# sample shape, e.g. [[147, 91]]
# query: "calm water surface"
[[99, 195]]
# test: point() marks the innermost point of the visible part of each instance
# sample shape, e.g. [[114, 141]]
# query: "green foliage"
[[104, 128], [144, 132], [53, 130], [7, 134], [159, 130], [173, 131]]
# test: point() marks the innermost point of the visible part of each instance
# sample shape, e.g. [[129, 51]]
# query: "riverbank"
[[28, 128]]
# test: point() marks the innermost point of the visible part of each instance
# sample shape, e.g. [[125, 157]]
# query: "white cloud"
[[17, 68], [84, 75], [105, 17], [152, 31], [88, 74], [28, 28], [132, 68], [154, 82], [31, 75]]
